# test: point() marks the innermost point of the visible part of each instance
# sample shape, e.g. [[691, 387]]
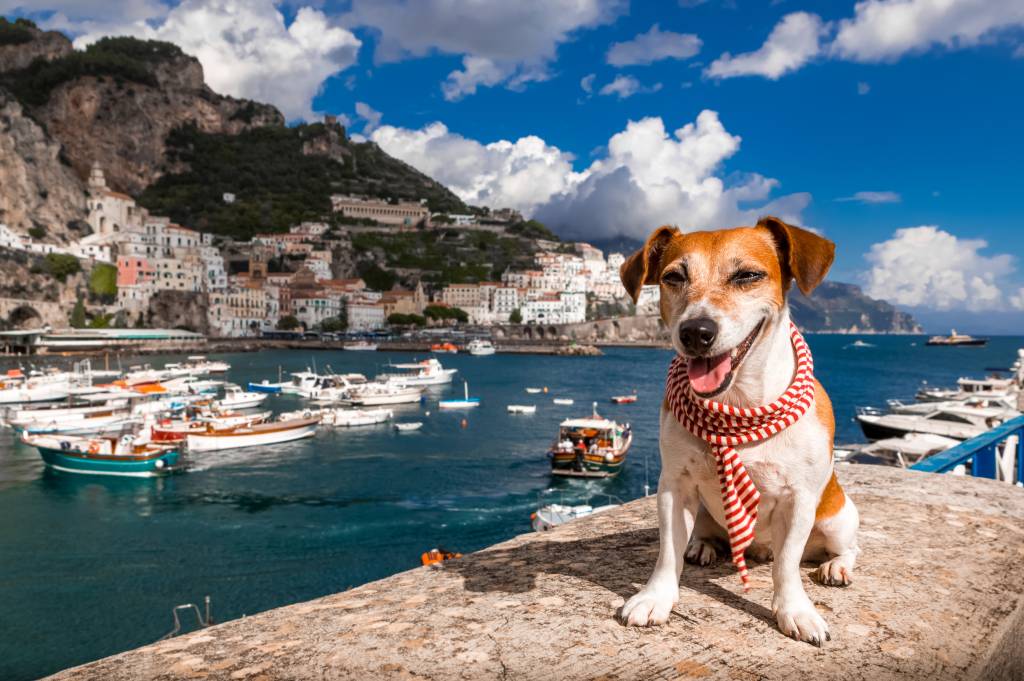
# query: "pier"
[[936, 595]]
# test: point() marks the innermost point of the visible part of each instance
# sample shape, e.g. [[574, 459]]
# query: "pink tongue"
[[707, 374]]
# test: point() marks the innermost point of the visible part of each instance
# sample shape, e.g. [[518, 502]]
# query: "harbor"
[[258, 527]]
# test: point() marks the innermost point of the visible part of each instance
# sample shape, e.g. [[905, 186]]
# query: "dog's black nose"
[[698, 335]]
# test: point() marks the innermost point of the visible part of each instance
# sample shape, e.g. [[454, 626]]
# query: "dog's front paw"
[[799, 619], [648, 608], [835, 572], [700, 552]]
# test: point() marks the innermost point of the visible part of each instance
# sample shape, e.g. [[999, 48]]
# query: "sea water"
[[91, 566]]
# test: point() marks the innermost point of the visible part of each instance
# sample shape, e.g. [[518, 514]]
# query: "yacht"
[[425, 373], [236, 398], [380, 393], [955, 338], [481, 348], [960, 423], [992, 386]]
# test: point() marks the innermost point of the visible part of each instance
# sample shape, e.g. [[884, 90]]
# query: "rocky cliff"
[[40, 194], [178, 310], [116, 101], [843, 308]]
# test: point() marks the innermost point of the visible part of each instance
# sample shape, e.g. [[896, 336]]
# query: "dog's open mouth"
[[711, 375]]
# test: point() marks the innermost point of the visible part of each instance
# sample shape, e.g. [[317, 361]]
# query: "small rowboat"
[[408, 427], [521, 408], [624, 399], [564, 401], [534, 391], [266, 386], [271, 433], [104, 455]]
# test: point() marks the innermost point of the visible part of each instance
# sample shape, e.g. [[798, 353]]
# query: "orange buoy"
[[464, 423]]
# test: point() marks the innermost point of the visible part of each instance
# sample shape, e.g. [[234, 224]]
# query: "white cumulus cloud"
[[247, 49], [502, 43], [645, 176], [929, 267], [653, 46], [882, 30], [370, 115], [794, 41], [587, 82], [627, 86]]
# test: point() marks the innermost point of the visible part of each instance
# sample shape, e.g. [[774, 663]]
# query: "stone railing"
[[936, 595]]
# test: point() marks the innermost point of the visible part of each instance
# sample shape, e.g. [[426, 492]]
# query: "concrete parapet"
[[937, 595]]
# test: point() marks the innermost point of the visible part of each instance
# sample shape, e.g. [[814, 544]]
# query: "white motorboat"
[[191, 385], [377, 394], [466, 403], [534, 391], [355, 417], [16, 388], [521, 408], [199, 365], [236, 398], [20, 418], [426, 373], [564, 401], [481, 348], [334, 388], [960, 423], [359, 346], [408, 426], [87, 424], [969, 387], [550, 516], [902, 451], [982, 402], [274, 432]]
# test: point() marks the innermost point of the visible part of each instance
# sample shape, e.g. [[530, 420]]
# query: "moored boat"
[[466, 402], [481, 348], [521, 408], [426, 373], [347, 418], [591, 447], [236, 398], [550, 516], [408, 426], [104, 455], [253, 436], [359, 346], [378, 394], [444, 348], [624, 399], [960, 423], [563, 401]]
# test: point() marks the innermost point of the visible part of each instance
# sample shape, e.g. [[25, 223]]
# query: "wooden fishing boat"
[[167, 430], [592, 447], [104, 455], [258, 435]]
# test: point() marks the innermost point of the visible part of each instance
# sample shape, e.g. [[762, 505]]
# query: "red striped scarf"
[[724, 427]]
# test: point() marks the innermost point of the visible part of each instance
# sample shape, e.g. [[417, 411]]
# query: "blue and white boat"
[[104, 455], [265, 386], [466, 403]]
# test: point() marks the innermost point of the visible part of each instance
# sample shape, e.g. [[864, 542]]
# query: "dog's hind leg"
[[677, 510], [839, 532], [707, 536]]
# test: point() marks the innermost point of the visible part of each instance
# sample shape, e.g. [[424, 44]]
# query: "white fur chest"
[[795, 460]]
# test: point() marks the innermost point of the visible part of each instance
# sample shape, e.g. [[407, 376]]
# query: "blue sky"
[[892, 126]]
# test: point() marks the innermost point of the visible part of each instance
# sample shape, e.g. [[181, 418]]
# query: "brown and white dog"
[[723, 299]]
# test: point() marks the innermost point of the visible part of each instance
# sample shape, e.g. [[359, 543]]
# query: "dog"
[[724, 295]]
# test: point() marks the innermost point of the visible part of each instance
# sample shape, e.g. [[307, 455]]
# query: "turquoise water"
[[92, 566]]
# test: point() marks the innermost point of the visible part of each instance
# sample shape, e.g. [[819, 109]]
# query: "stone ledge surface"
[[936, 595]]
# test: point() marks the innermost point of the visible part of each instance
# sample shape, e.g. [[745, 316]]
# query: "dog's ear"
[[804, 255], [644, 266]]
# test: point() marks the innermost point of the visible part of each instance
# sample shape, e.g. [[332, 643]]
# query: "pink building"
[[134, 270]]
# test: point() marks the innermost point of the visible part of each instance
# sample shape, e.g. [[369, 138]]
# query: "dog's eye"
[[747, 277], [673, 278]]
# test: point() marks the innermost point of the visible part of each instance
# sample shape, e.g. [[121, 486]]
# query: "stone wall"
[[639, 330], [936, 596]]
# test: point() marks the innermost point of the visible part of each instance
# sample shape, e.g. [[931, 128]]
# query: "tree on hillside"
[[516, 317], [77, 318], [442, 313], [288, 323]]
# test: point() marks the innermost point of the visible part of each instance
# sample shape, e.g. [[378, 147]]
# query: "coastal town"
[[247, 298]]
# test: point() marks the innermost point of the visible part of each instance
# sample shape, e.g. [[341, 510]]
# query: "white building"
[[365, 315]]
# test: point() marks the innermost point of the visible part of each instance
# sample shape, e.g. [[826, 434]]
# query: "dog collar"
[[725, 426]]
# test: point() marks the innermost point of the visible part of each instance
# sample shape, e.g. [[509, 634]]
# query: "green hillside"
[[275, 184]]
